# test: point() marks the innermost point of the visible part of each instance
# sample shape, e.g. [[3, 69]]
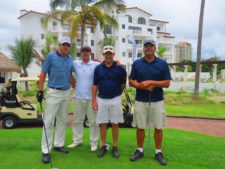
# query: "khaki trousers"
[[82, 108], [57, 103]]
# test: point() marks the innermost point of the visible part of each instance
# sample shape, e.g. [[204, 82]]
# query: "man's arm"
[[94, 97], [148, 83], [134, 84], [41, 81], [72, 81]]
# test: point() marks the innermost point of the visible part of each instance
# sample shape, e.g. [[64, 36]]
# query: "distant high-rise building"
[[183, 51]]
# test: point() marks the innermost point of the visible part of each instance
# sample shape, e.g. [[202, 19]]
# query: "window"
[[108, 29], [135, 28], [54, 24], [129, 19], [142, 21], [138, 41], [92, 30], [150, 30], [42, 36], [123, 26], [92, 55], [130, 55], [92, 42], [123, 40], [66, 27], [158, 28], [139, 55], [124, 54]]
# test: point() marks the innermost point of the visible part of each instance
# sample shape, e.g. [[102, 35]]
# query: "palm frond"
[[76, 21]]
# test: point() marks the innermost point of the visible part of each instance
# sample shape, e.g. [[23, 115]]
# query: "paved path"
[[205, 126]]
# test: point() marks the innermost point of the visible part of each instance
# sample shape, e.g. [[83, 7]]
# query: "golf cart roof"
[[23, 79]]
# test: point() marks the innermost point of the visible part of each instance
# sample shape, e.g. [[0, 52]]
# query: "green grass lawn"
[[20, 149], [200, 110], [181, 104]]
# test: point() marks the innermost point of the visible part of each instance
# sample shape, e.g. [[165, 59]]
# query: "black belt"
[[57, 88]]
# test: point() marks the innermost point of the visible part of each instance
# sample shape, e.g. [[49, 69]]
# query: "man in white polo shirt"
[[84, 73]]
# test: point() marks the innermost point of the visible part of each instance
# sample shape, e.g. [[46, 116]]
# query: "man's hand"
[[40, 96], [94, 105], [150, 88]]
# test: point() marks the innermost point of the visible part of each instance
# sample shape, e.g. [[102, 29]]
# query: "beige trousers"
[[57, 103], [82, 108]]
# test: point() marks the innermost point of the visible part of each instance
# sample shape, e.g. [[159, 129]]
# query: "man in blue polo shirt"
[[109, 81], [149, 75], [58, 66]]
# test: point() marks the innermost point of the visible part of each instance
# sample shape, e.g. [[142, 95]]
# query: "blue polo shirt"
[[59, 70], [157, 70], [109, 80]]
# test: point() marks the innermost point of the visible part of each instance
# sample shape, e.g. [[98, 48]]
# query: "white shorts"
[[109, 110], [145, 114]]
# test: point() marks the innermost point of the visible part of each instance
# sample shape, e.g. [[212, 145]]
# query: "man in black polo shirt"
[[109, 81], [149, 75]]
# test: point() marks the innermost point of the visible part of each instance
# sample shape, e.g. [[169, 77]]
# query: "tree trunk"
[[26, 83], [82, 35], [197, 75]]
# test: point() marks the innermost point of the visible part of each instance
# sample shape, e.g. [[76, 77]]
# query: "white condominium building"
[[135, 25]]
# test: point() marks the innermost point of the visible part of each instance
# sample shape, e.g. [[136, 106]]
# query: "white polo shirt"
[[84, 73]]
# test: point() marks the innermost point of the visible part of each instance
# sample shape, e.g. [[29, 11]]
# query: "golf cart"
[[13, 110]]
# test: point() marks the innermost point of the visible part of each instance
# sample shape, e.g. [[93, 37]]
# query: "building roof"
[[158, 20], [139, 9], [7, 65], [28, 12]]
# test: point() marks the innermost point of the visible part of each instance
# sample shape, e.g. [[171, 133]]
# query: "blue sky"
[[182, 15]]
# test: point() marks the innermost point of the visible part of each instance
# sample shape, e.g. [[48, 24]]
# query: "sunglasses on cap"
[[85, 50], [66, 44], [108, 48]]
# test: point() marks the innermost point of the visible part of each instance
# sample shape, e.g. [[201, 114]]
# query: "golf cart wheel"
[[9, 122]]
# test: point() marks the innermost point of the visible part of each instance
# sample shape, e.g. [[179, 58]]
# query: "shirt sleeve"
[[166, 72], [123, 76], [47, 64], [96, 81], [133, 72]]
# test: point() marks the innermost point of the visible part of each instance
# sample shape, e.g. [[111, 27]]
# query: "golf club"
[[149, 125], [46, 135]]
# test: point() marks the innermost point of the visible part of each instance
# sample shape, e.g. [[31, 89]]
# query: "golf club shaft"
[[149, 125], [46, 137]]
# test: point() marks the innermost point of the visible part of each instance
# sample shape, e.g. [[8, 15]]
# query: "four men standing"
[[148, 75]]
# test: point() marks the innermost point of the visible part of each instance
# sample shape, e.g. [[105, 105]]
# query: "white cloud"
[[182, 15]]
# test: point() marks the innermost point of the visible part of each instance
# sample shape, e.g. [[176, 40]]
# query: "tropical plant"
[[22, 54], [107, 41], [80, 13], [161, 51], [49, 41], [199, 47]]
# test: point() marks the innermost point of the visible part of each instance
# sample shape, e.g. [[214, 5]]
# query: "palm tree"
[[22, 54], [161, 51], [197, 76], [81, 13], [107, 41], [49, 40]]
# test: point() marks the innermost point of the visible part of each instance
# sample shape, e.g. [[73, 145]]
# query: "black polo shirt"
[[157, 70], [109, 80]]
